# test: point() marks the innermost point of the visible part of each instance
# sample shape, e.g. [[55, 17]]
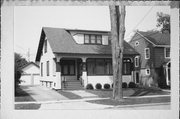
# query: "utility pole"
[[117, 16]]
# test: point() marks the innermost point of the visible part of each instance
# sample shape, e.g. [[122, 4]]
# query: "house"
[[30, 75], [154, 48], [79, 57]]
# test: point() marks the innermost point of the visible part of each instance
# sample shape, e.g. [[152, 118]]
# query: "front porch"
[[77, 72]]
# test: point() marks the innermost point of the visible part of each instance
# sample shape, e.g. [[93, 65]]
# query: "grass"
[[128, 92], [27, 106], [132, 93], [69, 95], [22, 96], [131, 101]]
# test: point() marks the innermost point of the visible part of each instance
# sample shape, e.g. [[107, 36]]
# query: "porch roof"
[[61, 41]]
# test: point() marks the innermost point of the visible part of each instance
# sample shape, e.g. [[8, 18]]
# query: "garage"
[[30, 74]]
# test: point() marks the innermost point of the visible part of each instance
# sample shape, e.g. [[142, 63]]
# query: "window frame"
[[136, 59], [90, 40], [45, 45], [165, 51], [145, 53], [94, 72], [147, 71], [47, 68], [124, 62], [41, 69], [136, 43], [68, 63]]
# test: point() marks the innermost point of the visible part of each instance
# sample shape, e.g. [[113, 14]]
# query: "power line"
[[141, 20]]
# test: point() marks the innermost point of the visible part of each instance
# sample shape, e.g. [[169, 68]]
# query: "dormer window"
[[93, 39]]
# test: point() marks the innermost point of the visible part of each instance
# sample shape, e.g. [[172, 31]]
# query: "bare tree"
[[117, 15]]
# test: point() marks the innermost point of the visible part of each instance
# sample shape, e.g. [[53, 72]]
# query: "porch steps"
[[72, 85]]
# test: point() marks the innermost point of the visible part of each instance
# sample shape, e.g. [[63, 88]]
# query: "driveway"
[[39, 93]]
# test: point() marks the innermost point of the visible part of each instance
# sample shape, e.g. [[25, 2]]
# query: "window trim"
[[47, 68], [146, 53], [45, 45], [136, 43], [147, 72], [136, 59], [41, 69], [165, 55], [95, 74], [90, 43]]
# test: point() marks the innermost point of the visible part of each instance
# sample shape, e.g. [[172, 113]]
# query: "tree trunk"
[[117, 15]]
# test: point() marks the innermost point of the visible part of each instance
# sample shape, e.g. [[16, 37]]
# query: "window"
[[126, 66], [54, 68], [104, 67], [137, 61], [47, 68], [92, 39], [147, 71], [41, 69], [68, 67], [86, 39], [136, 43], [99, 39], [45, 45], [147, 53], [99, 67], [167, 52]]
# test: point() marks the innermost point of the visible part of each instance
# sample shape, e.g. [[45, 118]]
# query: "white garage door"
[[29, 79]]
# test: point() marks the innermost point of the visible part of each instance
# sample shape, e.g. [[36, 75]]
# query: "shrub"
[[98, 86], [89, 86], [124, 85], [132, 85], [106, 86]]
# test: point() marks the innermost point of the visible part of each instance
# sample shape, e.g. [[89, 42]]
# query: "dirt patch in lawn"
[[69, 94], [131, 101], [22, 96], [27, 106]]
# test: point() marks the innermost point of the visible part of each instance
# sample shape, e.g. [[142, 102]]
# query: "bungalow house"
[[80, 57], [154, 48]]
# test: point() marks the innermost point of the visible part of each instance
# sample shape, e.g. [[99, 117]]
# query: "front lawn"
[[22, 96], [27, 106], [131, 101], [129, 92]]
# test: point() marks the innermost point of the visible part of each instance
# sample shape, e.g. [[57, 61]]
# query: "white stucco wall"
[[106, 79], [48, 56], [79, 38]]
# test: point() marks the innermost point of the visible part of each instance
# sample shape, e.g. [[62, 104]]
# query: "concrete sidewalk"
[[39, 93]]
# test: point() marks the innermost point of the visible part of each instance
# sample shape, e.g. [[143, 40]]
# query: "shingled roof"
[[61, 41], [156, 37]]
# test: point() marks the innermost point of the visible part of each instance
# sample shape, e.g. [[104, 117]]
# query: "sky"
[[29, 20]]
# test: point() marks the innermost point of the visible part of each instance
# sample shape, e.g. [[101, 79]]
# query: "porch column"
[[84, 72], [57, 83]]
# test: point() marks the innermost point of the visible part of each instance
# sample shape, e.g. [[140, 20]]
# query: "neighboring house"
[[30, 74], [154, 48], [80, 57]]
